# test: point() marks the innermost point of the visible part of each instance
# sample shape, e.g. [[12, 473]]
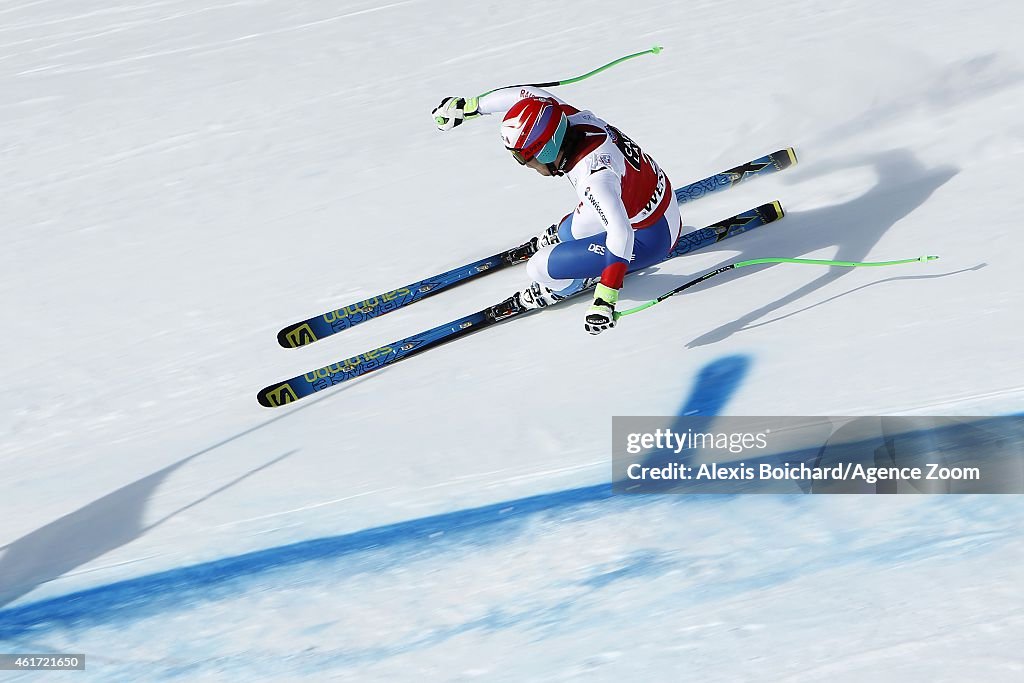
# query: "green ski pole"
[[576, 79], [758, 261]]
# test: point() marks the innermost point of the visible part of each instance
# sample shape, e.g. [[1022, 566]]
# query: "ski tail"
[[313, 329], [356, 366], [289, 391]]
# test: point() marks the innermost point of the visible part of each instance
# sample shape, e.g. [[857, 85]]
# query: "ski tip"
[[928, 258], [770, 212], [784, 158]]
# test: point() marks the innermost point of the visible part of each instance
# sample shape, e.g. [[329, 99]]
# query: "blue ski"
[[770, 163], [313, 329], [311, 382]]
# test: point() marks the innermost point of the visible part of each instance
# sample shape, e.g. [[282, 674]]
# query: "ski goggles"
[[548, 152]]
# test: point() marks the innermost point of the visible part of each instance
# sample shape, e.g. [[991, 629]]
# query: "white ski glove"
[[454, 110], [601, 314]]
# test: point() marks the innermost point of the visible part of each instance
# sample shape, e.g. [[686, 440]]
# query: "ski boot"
[[548, 238]]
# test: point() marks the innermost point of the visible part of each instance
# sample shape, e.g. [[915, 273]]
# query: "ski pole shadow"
[[870, 284]]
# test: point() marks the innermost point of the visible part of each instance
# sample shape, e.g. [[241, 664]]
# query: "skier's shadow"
[[903, 184]]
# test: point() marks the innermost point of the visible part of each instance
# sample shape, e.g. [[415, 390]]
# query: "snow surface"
[[182, 178]]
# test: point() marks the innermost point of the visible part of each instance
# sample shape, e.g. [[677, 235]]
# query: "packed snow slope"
[[182, 178]]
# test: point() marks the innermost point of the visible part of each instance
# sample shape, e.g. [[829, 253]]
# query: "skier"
[[627, 217]]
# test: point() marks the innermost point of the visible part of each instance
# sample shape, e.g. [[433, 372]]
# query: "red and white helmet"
[[534, 128]]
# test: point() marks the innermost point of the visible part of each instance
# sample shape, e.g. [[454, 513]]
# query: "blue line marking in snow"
[[135, 598], [715, 385], [157, 592], [394, 545]]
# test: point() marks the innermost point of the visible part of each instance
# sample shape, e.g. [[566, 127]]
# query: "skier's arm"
[[603, 194], [503, 99], [454, 110]]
